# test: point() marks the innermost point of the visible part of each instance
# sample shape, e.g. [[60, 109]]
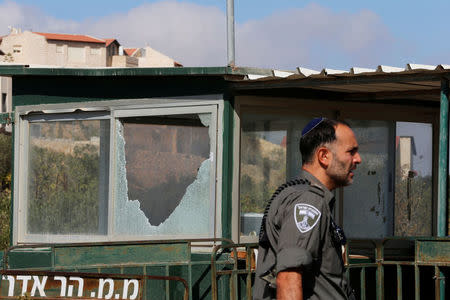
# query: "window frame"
[[22, 214], [341, 110], [17, 49], [112, 110], [145, 112], [59, 49]]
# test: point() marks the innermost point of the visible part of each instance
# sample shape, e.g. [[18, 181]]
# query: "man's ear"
[[324, 156]]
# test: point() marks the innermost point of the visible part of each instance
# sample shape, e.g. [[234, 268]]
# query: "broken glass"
[[163, 176]]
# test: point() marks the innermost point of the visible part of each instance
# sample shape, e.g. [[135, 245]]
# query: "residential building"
[[150, 58], [155, 59], [70, 51], [53, 49]]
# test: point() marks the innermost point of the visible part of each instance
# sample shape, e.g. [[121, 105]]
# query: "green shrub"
[[5, 189]]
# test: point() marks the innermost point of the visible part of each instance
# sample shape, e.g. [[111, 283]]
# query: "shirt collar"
[[329, 196]]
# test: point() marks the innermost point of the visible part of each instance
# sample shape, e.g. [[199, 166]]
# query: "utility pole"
[[230, 33]]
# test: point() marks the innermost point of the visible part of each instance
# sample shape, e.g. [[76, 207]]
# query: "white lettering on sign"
[[126, 284], [25, 279], [11, 281], [105, 290], [101, 285], [63, 284], [80, 286], [40, 285]]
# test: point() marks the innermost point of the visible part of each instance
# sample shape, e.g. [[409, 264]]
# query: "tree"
[[5, 189]]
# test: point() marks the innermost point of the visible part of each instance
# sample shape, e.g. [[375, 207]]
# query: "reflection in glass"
[[367, 203], [269, 157], [164, 175], [67, 177], [413, 184]]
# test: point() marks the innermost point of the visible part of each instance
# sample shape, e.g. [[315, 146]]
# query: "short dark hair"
[[323, 133]]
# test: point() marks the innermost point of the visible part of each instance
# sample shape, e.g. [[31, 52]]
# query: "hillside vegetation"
[[5, 189]]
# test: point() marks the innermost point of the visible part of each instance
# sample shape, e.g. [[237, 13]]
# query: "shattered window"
[[164, 177], [68, 177]]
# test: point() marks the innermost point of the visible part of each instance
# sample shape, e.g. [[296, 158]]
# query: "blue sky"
[[269, 33]]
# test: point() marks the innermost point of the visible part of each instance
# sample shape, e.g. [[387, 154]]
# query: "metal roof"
[[414, 81], [422, 82], [249, 72], [305, 72]]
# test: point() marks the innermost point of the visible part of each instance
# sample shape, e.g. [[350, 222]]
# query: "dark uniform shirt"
[[298, 226]]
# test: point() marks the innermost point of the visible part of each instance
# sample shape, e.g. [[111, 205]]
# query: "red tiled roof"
[[71, 37], [129, 51], [110, 41]]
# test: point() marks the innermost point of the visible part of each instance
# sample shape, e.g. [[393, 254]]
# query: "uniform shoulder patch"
[[306, 216]]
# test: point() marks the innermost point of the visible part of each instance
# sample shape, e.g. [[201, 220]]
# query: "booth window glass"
[[269, 157], [128, 174], [392, 193], [164, 180], [67, 177], [366, 206], [413, 179]]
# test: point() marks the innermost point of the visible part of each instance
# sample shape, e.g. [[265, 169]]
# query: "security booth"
[[150, 183]]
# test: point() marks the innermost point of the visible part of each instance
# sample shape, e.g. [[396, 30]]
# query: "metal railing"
[[411, 267], [141, 269], [243, 263], [394, 268]]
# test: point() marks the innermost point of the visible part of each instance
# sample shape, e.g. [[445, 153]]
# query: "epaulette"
[[263, 239], [316, 189]]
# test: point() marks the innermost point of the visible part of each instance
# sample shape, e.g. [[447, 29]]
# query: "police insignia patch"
[[306, 216]]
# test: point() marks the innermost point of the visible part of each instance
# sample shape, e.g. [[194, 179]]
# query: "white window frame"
[[170, 111], [114, 109], [22, 213]]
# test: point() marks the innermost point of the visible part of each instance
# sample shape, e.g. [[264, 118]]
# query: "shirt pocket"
[[332, 259]]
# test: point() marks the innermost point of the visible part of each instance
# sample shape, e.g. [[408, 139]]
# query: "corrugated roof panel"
[[307, 72], [420, 67], [389, 69], [255, 76], [282, 74], [328, 71], [357, 70]]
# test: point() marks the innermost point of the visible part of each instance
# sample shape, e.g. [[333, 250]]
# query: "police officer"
[[300, 247]]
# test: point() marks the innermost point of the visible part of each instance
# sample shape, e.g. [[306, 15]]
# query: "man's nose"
[[357, 158]]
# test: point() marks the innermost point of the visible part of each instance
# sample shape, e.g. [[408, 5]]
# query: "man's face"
[[345, 157]]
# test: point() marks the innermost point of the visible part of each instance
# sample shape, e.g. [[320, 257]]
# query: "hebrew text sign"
[[50, 285]]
